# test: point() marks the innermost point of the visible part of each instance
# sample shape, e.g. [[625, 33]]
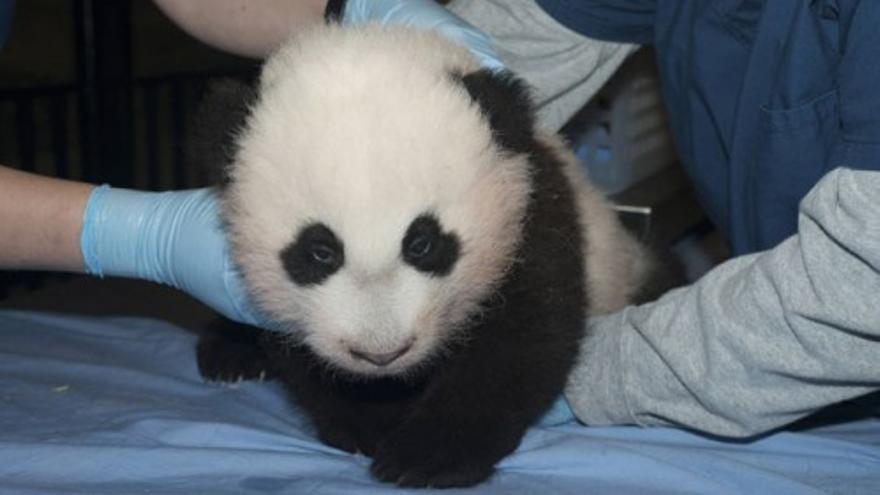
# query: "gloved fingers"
[[425, 14]]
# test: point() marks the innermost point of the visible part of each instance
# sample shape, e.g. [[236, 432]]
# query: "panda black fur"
[[431, 256]]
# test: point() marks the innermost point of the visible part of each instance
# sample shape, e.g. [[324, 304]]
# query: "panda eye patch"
[[427, 248], [313, 256]]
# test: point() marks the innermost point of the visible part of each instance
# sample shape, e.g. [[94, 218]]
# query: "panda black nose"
[[380, 358]]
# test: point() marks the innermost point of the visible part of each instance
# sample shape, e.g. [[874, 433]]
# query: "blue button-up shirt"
[[764, 96], [6, 9]]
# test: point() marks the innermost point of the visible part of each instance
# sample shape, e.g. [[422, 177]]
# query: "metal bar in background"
[[178, 132], [58, 121], [25, 133], [103, 42], [151, 132]]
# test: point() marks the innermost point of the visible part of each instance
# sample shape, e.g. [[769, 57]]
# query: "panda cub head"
[[377, 195]]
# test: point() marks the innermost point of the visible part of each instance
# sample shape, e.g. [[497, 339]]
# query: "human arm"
[[255, 28], [173, 238], [40, 219], [252, 28], [757, 343]]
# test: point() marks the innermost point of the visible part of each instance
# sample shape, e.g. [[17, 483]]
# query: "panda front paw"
[[224, 360], [438, 455], [347, 440]]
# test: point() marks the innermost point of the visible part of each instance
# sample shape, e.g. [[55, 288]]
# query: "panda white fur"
[[431, 255]]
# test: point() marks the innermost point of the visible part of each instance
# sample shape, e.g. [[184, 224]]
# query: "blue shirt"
[[764, 96], [6, 9]]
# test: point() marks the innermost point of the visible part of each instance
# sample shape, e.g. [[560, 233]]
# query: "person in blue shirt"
[[764, 97], [773, 114], [7, 7], [768, 101]]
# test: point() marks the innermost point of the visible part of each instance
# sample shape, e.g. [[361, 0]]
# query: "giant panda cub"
[[427, 255]]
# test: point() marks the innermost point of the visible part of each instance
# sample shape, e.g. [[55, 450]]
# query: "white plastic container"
[[622, 137]]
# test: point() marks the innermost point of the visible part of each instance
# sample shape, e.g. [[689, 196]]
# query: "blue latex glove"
[[173, 238], [424, 14]]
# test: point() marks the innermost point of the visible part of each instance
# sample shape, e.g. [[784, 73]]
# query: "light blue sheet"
[[116, 406]]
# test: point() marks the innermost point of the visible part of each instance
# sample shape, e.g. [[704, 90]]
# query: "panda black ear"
[[221, 114], [505, 101]]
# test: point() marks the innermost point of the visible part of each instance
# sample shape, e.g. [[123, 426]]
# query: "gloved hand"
[[173, 238], [424, 14]]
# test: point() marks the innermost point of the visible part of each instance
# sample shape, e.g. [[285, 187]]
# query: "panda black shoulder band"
[[333, 11]]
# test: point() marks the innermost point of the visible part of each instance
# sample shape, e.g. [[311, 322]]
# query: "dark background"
[[100, 90]]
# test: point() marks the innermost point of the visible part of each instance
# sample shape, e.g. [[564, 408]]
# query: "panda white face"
[[377, 307], [370, 210]]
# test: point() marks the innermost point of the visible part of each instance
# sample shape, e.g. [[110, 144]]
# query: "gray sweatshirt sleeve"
[[564, 68], [760, 341]]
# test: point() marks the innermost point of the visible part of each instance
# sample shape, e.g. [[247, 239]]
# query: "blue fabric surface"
[[764, 97], [112, 406]]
